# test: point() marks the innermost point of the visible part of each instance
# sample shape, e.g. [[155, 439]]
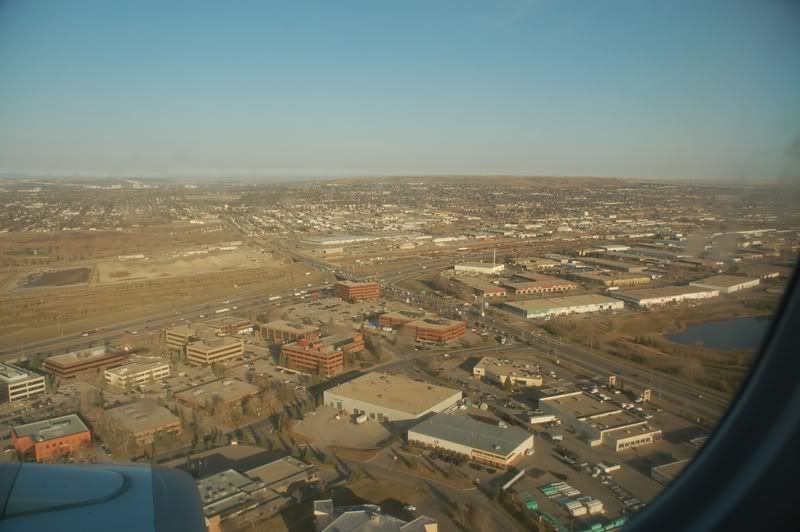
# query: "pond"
[[726, 335]]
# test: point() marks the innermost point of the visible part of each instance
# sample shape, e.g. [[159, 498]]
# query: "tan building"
[[499, 372], [610, 278], [178, 337], [82, 362], [17, 384], [281, 331], [653, 297], [137, 374], [215, 349], [226, 325], [143, 420], [230, 392], [726, 283]]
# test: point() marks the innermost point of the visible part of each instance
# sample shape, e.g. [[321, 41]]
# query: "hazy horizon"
[[312, 90]]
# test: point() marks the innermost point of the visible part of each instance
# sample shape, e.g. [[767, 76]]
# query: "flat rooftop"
[[615, 421], [542, 280], [356, 284], [183, 330], [672, 469], [396, 392], [214, 343], [142, 417], [562, 302], [505, 368], [229, 390], [580, 404], [464, 430], [292, 327], [725, 280], [81, 356], [281, 471], [48, 429], [627, 431], [408, 315], [499, 266], [226, 321], [136, 367], [666, 291], [11, 374], [441, 324]]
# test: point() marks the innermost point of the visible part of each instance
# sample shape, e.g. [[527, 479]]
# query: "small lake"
[[726, 335]]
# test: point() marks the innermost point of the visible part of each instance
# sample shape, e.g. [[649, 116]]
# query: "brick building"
[[353, 291], [438, 331], [324, 356], [280, 331], [52, 438]]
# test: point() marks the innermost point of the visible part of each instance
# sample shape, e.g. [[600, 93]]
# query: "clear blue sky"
[[669, 88]]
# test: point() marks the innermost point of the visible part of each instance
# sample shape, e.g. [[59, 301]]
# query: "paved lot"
[[325, 430]]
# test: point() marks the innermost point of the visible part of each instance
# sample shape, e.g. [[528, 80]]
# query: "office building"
[[390, 397], [179, 337], [396, 319], [214, 349], [365, 518], [227, 325], [324, 356], [352, 291], [17, 384], [653, 297], [231, 499], [726, 283], [483, 443], [83, 361], [599, 422], [435, 330], [285, 475], [52, 438], [281, 331], [137, 374], [479, 267], [499, 372], [231, 392], [143, 420], [555, 306]]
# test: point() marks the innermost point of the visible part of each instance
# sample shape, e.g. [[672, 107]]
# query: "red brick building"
[[353, 291], [324, 356], [438, 331], [52, 438], [401, 317]]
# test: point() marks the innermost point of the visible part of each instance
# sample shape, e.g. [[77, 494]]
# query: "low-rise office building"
[[231, 392], [599, 422], [555, 306], [363, 518], [353, 291], [324, 356], [214, 349], [232, 499], [143, 420], [137, 374], [226, 325], [479, 267], [481, 442], [281, 331], [390, 397], [726, 283], [435, 330], [177, 338], [499, 372], [398, 318], [285, 475], [83, 361], [17, 384], [52, 438], [653, 297]]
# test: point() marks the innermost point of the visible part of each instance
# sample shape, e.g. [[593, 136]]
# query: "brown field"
[[57, 278]]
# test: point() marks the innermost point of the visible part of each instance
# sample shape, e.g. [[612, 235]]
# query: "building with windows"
[[536, 283], [226, 325], [231, 392], [481, 287], [726, 284], [143, 420], [653, 297], [499, 372], [285, 475], [555, 306], [16, 384], [231, 499], [666, 473], [385, 397], [324, 356], [214, 349], [281, 331], [137, 374], [435, 330], [52, 438], [479, 267], [353, 291], [607, 279], [483, 443], [599, 422], [178, 338], [628, 267], [398, 318], [363, 518], [83, 361]]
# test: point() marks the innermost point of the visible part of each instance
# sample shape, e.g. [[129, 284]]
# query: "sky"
[[266, 89]]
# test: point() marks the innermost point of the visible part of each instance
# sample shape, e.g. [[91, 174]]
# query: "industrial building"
[[285, 475], [363, 518], [143, 420], [554, 306], [231, 392], [137, 374], [337, 240], [281, 331], [352, 291], [16, 384], [324, 356], [666, 473], [390, 397], [610, 278], [529, 282], [226, 325], [215, 349], [653, 297], [481, 442], [599, 422], [726, 283], [615, 264], [481, 287], [51, 438], [479, 267], [435, 330], [399, 318], [499, 372], [84, 361]]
